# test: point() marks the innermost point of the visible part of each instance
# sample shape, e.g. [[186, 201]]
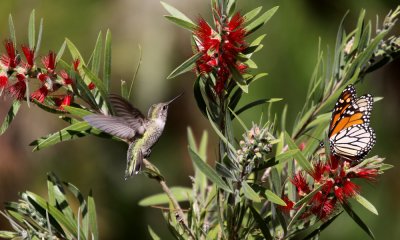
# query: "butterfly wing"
[[115, 126], [123, 109], [344, 105], [354, 142]]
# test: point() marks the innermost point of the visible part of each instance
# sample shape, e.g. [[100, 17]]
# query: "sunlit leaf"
[[180, 193], [12, 112], [185, 66], [365, 203]]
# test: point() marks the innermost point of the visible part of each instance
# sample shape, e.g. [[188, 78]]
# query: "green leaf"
[[60, 52], [12, 30], [71, 132], [182, 23], [358, 220], [180, 193], [252, 14], [274, 198], [261, 224], [39, 41], [12, 112], [92, 217], [48, 108], [208, 171], [360, 28], [260, 20], [300, 158], [124, 89], [136, 72], [185, 66], [365, 203], [71, 227], [8, 234], [107, 60], [223, 139], [99, 85], [153, 235], [300, 124], [199, 96], [82, 206], [308, 197], [96, 55], [175, 12], [385, 167], [257, 102], [249, 193], [77, 111], [238, 77], [31, 30]]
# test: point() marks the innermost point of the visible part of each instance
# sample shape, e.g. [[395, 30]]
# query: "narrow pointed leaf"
[[199, 96], [252, 14], [136, 72], [223, 139], [358, 220], [180, 193], [107, 60], [175, 12], [82, 206], [249, 193], [182, 23], [300, 158], [92, 217], [71, 132], [99, 85], [185, 66], [365, 203], [260, 20], [153, 235], [60, 52], [31, 30], [39, 41], [211, 174], [77, 111], [274, 198], [261, 224], [12, 112], [8, 234], [257, 102], [239, 80], [12, 30], [96, 55]]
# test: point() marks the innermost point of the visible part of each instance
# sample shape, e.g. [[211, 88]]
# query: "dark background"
[[289, 55]]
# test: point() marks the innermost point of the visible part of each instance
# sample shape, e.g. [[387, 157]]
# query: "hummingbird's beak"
[[170, 101]]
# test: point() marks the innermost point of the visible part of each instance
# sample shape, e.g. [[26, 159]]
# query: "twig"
[[171, 197]]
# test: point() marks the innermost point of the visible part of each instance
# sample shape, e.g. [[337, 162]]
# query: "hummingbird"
[[130, 125]]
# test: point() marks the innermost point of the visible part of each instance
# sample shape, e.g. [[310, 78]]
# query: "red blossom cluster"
[[334, 179], [220, 47], [16, 73]]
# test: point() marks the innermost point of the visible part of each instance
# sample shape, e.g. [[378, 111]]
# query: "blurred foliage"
[[295, 30]]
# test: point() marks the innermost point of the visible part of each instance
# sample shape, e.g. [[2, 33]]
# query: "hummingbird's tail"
[[134, 161]]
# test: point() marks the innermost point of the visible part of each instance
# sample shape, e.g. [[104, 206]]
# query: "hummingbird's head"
[[160, 110]]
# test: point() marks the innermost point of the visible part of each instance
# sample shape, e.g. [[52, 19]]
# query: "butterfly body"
[[131, 125], [350, 135]]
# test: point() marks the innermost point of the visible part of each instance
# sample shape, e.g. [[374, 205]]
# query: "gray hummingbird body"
[[129, 124]]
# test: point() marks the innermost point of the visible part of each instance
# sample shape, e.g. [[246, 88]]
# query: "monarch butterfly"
[[350, 135]]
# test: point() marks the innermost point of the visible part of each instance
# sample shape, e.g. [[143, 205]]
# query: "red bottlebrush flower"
[[289, 205], [29, 55], [49, 62], [3, 81], [91, 86], [319, 169], [334, 162], [40, 94], [220, 49], [63, 101], [64, 75], [76, 64], [300, 182], [10, 60], [42, 77], [369, 174], [350, 189], [18, 89], [325, 209]]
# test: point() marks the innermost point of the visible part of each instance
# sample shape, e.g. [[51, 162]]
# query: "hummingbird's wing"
[[123, 109], [115, 126]]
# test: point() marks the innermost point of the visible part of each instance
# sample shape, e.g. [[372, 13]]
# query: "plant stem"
[[181, 217]]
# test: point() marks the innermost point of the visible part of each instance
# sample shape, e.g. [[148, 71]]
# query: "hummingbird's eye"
[[165, 107]]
